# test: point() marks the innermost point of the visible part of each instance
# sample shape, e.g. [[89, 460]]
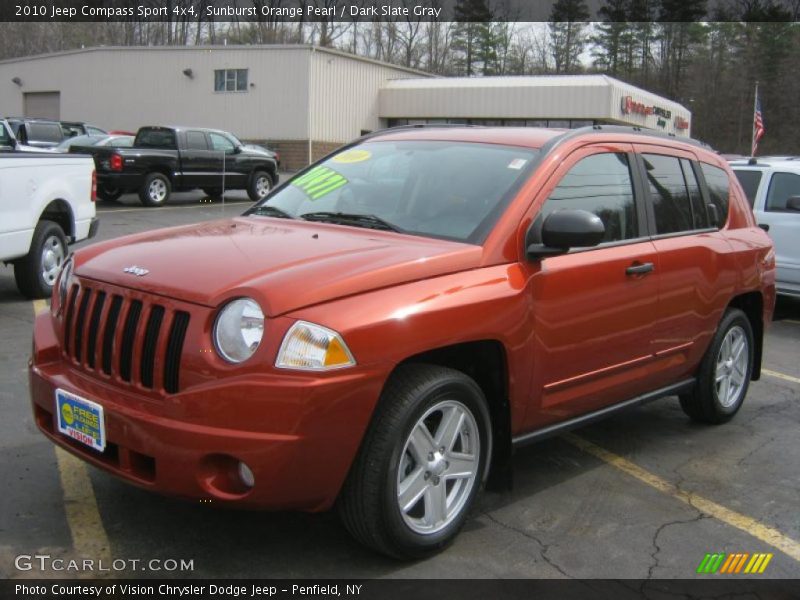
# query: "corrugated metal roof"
[[523, 81], [219, 48]]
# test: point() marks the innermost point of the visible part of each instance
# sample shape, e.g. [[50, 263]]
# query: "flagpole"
[[753, 136]]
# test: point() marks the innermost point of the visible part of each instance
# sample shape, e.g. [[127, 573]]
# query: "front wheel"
[[260, 185], [155, 190], [725, 372], [421, 464]]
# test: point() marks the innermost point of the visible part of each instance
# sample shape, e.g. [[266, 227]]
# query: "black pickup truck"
[[167, 159]]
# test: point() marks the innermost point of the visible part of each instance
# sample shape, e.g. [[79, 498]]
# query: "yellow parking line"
[[83, 517], [783, 376], [749, 525], [88, 534], [792, 321]]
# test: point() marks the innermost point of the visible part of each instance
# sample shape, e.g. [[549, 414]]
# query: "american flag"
[[758, 125]]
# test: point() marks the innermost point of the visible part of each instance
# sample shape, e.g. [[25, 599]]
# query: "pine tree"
[[568, 21], [471, 37]]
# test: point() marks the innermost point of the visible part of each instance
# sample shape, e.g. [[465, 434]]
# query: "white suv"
[[772, 185]]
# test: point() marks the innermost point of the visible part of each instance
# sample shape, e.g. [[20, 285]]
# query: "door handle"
[[639, 269]]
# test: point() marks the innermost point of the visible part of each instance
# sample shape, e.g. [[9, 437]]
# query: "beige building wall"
[[344, 94], [125, 88]]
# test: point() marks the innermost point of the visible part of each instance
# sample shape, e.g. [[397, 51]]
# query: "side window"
[[750, 180], [600, 184], [719, 190], [220, 142], [782, 187], [699, 215], [5, 138], [671, 204], [196, 140]]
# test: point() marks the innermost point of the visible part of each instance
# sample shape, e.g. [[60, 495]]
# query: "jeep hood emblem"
[[138, 271]]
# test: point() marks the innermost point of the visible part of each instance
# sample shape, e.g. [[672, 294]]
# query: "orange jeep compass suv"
[[382, 329]]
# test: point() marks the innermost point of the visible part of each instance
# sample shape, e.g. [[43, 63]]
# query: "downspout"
[[310, 103]]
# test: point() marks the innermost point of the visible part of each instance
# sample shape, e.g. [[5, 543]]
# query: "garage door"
[[43, 105]]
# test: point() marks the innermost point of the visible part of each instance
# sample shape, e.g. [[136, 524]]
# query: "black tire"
[[36, 272], [713, 402], [156, 189], [213, 193], [256, 189], [369, 503], [109, 194]]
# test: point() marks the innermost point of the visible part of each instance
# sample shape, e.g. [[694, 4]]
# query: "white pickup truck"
[[46, 202]]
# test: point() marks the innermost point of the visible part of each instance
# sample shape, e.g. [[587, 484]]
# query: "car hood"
[[283, 264]]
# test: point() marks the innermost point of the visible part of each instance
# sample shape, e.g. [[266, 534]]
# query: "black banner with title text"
[[255, 11]]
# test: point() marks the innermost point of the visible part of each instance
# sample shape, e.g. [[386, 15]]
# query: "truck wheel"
[[421, 464], [109, 194], [260, 185], [724, 374], [36, 272], [155, 190]]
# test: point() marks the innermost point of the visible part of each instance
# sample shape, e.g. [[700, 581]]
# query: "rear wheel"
[[421, 464], [155, 190], [36, 272], [109, 194], [724, 374], [260, 185]]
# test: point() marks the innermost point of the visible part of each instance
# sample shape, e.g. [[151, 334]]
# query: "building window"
[[230, 80]]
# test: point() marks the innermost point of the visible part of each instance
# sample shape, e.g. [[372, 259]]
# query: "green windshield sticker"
[[319, 181]]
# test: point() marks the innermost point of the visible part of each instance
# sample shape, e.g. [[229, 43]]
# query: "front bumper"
[[299, 444]]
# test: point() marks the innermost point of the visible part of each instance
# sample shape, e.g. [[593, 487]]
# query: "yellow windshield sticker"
[[352, 156], [319, 181]]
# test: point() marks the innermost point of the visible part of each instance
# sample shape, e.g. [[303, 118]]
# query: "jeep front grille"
[[124, 337]]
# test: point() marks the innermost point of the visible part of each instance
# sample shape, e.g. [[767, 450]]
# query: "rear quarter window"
[[719, 190], [750, 181], [45, 132], [156, 138]]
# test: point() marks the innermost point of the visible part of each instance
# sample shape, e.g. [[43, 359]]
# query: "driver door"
[[593, 309]]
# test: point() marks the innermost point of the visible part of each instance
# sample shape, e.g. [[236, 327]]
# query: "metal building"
[[303, 100]]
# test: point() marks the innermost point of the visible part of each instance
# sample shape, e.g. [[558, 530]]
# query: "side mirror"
[[565, 229], [793, 203]]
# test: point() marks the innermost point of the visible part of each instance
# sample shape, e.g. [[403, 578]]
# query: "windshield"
[[451, 190]]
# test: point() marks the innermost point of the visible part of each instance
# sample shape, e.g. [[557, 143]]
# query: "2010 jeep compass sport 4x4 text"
[[383, 328]]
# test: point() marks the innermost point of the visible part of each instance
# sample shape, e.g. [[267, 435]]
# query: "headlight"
[[310, 347], [63, 281], [238, 330]]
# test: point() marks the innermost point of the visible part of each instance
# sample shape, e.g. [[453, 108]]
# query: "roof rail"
[[385, 130], [637, 130]]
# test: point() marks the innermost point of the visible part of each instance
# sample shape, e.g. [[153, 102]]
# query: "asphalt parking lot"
[[644, 495]]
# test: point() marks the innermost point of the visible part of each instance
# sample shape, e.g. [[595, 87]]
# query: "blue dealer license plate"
[[81, 419]]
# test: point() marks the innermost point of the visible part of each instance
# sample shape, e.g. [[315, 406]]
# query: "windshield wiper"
[[357, 220], [270, 211]]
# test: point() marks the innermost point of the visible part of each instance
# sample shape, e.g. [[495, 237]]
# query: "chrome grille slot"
[[80, 323], [94, 326], [108, 334], [149, 345], [128, 334], [172, 360]]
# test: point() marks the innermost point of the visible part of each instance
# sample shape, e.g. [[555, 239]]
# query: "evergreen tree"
[[471, 37], [568, 21]]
